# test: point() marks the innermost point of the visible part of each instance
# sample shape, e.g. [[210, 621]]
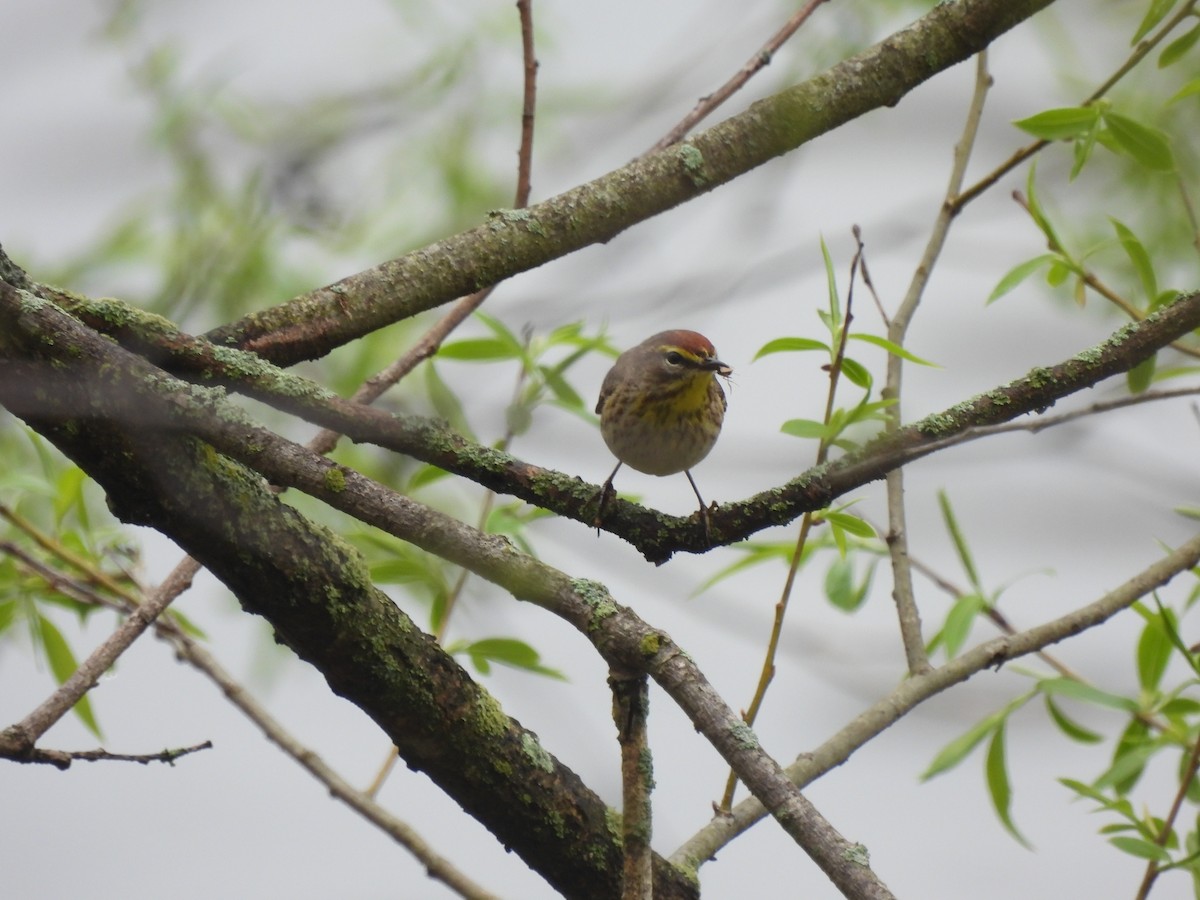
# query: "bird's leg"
[[703, 508], [605, 492]]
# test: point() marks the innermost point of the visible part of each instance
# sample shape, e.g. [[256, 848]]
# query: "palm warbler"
[[661, 408]]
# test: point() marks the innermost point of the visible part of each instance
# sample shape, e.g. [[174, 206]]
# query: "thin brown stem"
[[907, 612], [24, 735], [756, 63], [767, 673], [1186, 777]]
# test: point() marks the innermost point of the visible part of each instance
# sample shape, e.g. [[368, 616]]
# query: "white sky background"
[[1063, 516]]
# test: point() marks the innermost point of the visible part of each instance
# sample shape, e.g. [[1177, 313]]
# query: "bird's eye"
[[674, 358]]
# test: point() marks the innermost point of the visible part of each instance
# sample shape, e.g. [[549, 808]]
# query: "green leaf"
[[476, 350], [1134, 749], [1019, 273], [1179, 47], [999, 787], [958, 749], [1153, 654], [506, 651], [1069, 726], [851, 523], [755, 553], [444, 401], [892, 348], [1060, 270], [805, 428], [1081, 151], [1141, 376], [1156, 13], [959, 621], [955, 751], [1140, 258], [1140, 848], [1068, 687], [561, 389], [427, 474], [790, 345], [1190, 89], [1063, 124], [1149, 146], [1171, 627], [63, 665], [857, 373], [834, 321], [960, 541], [840, 588], [69, 493], [1086, 790]]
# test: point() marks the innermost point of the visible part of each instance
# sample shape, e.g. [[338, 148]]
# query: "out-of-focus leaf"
[[1140, 848], [1159, 9], [892, 348], [1148, 146], [960, 542], [1153, 653], [1068, 687], [1179, 47], [1063, 124], [1141, 376], [790, 345], [1140, 257], [476, 350], [444, 401], [955, 751], [999, 786], [805, 428], [63, 665], [506, 651], [1019, 273], [1069, 726]]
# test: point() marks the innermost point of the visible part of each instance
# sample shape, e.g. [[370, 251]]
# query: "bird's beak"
[[715, 365]]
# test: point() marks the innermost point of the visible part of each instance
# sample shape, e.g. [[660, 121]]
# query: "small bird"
[[661, 408]]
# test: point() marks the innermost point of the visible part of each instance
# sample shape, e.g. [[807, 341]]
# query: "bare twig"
[[753, 66], [767, 673], [21, 737], [436, 865], [62, 759], [907, 612], [432, 340], [1186, 778]]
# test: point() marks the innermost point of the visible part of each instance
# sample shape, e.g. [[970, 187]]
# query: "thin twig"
[[907, 612], [1186, 779], [436, 865], [760, 60], [767, 673], [62, 759], [24, 734], [429, 343]]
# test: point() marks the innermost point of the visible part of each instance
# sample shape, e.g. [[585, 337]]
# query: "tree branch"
[[915, 690], [514, 241]]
